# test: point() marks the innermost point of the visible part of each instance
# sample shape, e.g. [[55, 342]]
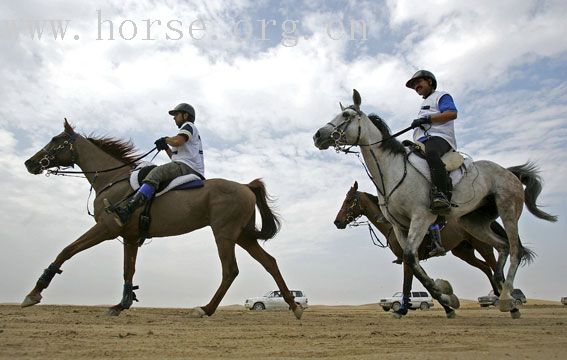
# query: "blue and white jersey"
[[190, 153], [436, 103]]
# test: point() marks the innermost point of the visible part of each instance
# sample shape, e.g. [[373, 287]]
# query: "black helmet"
[[422, 74], [185, 108]]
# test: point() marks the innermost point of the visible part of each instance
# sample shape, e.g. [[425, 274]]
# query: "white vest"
[[445, 130], [190, 153]]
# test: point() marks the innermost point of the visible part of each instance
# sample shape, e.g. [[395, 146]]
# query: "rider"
[[435, 128], [186, 155]]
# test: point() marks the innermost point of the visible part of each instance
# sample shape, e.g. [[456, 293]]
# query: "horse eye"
[[346, 114]]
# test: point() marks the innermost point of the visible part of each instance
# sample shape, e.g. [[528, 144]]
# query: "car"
[[491, 299], [418, 300], [274, 300], [564, 300]]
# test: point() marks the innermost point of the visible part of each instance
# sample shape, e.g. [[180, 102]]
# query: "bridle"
[[354, 208], [352, 221], [50, 154], [339, 133]]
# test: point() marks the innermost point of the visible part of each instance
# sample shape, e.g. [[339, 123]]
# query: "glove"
[[426, 120], [161, 144]]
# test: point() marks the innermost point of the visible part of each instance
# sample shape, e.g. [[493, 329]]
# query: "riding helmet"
[[185, 108], [422, 74]]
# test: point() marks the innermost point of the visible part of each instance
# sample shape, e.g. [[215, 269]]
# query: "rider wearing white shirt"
[[186, 153], [435, 128]]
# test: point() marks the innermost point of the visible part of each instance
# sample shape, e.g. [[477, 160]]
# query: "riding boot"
[[122, 214], [440, 204], [437, 248]]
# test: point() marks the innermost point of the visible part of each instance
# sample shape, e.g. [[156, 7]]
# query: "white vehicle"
[[274, 300], [418, 300]]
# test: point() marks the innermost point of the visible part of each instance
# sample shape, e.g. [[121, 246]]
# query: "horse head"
[[339, 132], [58, 152], [351, 208]]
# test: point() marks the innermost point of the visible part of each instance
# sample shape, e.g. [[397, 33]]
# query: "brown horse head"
[[58, 152], [351, 208]]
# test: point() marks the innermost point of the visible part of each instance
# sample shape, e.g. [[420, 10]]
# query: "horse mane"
[[392, 145], [373, 198], [119, 149]]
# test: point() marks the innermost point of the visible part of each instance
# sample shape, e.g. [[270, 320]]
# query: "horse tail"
[[528, 174], [527, 255], [270, 221]]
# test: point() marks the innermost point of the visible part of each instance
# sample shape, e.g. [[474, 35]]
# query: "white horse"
[[486, 191]]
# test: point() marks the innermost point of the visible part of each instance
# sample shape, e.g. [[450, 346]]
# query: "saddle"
[[190, 181], [455, 163], [452, 159]]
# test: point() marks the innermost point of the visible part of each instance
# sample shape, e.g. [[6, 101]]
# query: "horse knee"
[[410, 258]]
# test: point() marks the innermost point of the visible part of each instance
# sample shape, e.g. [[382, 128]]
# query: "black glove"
[[161, 144], [421, 121]]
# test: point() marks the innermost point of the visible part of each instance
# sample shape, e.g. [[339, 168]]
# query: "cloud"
[[258, 105]]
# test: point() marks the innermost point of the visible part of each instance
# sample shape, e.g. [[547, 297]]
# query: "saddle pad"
[[190, 181], [456, 175]]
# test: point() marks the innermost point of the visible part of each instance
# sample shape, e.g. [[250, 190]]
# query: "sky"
[[263, 76]]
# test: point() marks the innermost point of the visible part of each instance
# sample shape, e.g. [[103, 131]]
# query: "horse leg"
[[418, 228], [478, 227], [406, 292], [510, 208], [128, 295], [92, 237], [225, 248], [271, 266], [465, 252]]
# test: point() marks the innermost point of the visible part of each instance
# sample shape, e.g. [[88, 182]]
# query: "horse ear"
[[356, 99], [342, 107], [355, 185], [68, 128]]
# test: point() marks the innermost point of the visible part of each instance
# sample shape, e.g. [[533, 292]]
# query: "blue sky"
[[258, 103]]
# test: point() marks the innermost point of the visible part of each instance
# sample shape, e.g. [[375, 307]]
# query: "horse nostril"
[[317, 135]]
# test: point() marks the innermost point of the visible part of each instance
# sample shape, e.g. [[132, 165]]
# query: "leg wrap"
[[48, 275], [128, 296]]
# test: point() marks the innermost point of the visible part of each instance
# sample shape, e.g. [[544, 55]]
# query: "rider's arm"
[[176, 141], [447, 108]]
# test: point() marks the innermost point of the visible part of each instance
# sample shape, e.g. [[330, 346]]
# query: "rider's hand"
[[421, 121], [161, 144]]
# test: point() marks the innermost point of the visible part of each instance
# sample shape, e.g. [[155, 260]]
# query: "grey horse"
[[486, 191]]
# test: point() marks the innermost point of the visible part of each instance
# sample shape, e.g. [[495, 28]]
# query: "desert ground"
[[341, 332]]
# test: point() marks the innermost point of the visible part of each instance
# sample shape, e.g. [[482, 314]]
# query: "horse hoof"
[[113, 312], [444, 286], [506, 305], [396, 315], [298, 312], [451, 301], [31, 300], [197, 312], [515, 313], [451, 314]]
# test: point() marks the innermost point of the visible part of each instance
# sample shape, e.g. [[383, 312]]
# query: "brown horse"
[[226, 206], [454, 238]]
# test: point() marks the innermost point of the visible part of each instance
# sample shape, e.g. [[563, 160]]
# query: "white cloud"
[[257, 107]]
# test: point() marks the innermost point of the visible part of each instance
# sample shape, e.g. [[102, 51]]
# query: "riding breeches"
[[435, 147], [167, 172]]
